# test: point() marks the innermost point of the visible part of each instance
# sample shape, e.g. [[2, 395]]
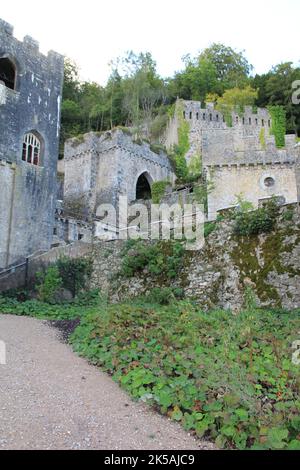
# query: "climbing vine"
[[158, 190], [278, 128], [262, 138], [180, 150]]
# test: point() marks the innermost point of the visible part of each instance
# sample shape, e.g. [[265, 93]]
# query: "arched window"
[[7, 73], [143, 187], [31, 152]]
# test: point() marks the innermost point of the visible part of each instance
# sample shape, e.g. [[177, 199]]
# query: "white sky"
[[93, 32]]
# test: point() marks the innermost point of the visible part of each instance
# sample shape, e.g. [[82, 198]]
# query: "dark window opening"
[[269, 182], [256, 121], [197, 116], [143, 188], [55, 231], [217, 118], [183, 114], [250, 121], [204, 116], [210, 117], [7, 73], [237, 119], [263, 122], [269, 123], [80, 237], [243, 120]]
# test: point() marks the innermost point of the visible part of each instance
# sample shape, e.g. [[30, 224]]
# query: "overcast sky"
[[92, 32]]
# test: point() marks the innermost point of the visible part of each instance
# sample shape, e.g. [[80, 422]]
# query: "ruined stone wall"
[[33, 106], [218, 275], [99, 168]]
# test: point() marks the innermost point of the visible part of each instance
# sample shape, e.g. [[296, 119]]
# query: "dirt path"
[[52, 399]]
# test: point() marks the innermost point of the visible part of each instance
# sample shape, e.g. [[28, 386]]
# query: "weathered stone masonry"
[[100, 168], [241, 159], [30, 101]]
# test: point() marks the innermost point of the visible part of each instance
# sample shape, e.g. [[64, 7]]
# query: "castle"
[[237, 158], [30, 102]]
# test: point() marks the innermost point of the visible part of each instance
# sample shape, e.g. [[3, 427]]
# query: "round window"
[[269, 182]]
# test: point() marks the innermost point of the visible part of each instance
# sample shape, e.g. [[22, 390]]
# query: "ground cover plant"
[[228, 378]]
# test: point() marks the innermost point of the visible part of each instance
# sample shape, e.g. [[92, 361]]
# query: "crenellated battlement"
[[30, 106], [29, 45], [210, 117]]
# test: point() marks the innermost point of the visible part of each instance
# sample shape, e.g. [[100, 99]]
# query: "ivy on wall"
[[262, 138], [180, 150], [158, 190], [278, 128]]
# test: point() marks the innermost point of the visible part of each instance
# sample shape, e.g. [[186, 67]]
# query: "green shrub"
[[158, 190], [49, 283], [74, 273], [288, 215], [257, 221], [165, 295], [162, 258], [209, 227]]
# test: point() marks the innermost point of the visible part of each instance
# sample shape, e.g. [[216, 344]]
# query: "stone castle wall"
[[229, 182], [100, 168], [28, 192], [238, 159]]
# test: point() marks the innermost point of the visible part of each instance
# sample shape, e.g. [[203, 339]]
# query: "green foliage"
[[275, 89], [158, 190], [43, 310], [195, 167], [235, 100], [74, 273], [209, 227], [228, 378], [158, 126], [253, 222], [163, 259], [49, 282], [164, 295], [278, 129], [179, 151], [262, 138], [288, 215]]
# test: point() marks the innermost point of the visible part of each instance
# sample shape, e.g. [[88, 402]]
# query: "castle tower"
[[30, 102]]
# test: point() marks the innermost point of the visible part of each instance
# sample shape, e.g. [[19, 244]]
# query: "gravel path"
[[52, 399]]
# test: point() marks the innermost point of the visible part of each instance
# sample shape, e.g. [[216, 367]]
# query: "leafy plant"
[[74, 273], [158, 189], [229, 378], [163, 258], [49, 282], [253, 222]]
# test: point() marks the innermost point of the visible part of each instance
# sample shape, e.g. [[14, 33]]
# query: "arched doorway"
[[143, 187], [7, 73]]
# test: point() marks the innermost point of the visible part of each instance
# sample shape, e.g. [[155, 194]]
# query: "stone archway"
[[143, 187]]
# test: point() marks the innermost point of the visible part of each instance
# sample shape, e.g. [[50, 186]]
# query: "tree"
[[235, 100], [232, 67], [275, 88]]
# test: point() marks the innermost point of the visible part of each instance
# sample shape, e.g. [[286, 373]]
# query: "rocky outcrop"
[[218, 275]]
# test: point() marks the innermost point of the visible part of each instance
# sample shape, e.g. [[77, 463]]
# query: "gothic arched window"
[[31, 152]]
